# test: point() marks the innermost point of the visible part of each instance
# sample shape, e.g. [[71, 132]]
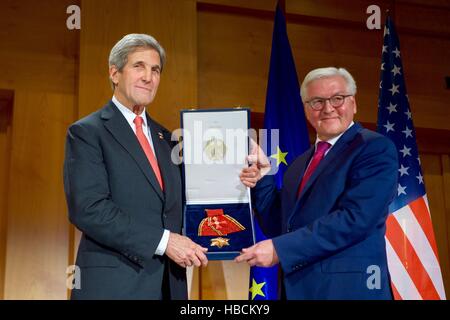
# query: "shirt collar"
[[332, 141], [128, 114]]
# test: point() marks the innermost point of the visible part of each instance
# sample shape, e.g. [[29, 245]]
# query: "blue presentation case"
[[217, 206]]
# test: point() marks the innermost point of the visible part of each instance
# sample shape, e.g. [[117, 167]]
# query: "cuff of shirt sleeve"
[[161, 249]]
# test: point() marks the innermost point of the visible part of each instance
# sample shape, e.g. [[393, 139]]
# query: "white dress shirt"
[[130, 116], [333, 140]]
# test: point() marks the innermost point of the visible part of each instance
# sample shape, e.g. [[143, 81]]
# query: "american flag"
[[410, 244]]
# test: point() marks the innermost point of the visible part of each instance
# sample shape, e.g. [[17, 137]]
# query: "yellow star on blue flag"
[[256, 289], [280, 156], [285, 122]]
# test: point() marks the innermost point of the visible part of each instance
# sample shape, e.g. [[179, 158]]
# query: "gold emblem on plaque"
[[215, 149]]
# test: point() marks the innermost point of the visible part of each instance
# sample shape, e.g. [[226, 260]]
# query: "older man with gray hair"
[[124, 192], [334, 201]]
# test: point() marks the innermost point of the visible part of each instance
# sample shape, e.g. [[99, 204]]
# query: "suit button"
[[165, 216]]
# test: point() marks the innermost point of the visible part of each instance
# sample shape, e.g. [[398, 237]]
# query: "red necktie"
[[147, 149], [322, 147]]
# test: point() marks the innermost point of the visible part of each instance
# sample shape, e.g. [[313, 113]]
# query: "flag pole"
[[282, 4]]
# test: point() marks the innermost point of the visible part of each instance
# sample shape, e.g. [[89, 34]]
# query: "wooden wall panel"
[[172, 23], [446, 237], [434, 184], [357, 51], [3, 214], [430, 16], [354, 10], [249, 4], [345, 41], [233, 61], [224, 280], [213, 284], [193, 282], [38, 58], [37, 50], [442, 4], [37, 240], [236, 280], [6, 101]]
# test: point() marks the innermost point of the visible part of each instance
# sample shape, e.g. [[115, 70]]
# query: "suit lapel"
[[331, 156], [163, 154], [117, 125], [301, 168]]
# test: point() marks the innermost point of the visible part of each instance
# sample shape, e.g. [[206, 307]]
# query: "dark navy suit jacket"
[[332, 244], [114, 198]]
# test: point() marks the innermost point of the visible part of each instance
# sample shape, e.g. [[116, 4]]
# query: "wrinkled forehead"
[[144, 54], [326, 85]]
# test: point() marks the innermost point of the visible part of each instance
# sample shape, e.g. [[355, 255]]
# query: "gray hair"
[[326, 73], [130, 43]]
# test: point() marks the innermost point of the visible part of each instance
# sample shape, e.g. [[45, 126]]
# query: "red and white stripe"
[[412, 253]]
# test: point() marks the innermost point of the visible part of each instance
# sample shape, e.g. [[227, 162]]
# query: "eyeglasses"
[[335, 101]]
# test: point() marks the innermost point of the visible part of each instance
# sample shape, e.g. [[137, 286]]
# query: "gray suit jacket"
[[114, 198]]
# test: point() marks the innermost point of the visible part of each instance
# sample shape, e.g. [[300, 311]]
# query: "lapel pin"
[[160, 135]]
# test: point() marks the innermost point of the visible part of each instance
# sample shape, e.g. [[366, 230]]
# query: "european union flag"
[[287, 138]]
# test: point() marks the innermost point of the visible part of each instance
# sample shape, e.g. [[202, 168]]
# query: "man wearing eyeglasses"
[[334, 201]]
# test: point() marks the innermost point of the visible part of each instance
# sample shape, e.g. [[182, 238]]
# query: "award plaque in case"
[[217, 210]]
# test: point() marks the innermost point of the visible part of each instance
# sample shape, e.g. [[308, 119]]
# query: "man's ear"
[[306, 111], [114, 74]]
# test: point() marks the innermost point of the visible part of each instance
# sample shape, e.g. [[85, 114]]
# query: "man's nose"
[[147, 76], [328, 108]]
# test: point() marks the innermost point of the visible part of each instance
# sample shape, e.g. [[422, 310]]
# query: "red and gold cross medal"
[[217, 223]]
